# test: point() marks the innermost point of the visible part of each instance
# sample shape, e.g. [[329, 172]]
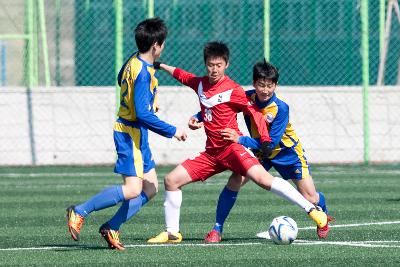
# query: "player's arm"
[[259, 122], [196, 121], [167, 68], [278, 126], [239, 97], [142, 103], [182, 76], [247, 141], [276, 130], [248, 108]]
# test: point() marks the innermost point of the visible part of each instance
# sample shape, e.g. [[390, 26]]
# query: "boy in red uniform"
[[220, 101]]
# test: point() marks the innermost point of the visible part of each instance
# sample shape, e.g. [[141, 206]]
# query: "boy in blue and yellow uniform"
[[136, 116], [287, 152]]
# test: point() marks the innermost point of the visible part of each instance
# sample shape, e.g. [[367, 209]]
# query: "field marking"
[[265, 235], [136, 246], [368, 244], [352, 225], [365, 244]]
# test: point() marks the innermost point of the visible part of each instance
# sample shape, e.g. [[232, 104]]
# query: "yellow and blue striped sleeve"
[[143, 107], [279, 124], [276, 131]]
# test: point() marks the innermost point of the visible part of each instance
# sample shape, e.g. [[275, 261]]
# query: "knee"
[[235, 182], [151, 191], [264, 180], [131, 192], [171, 183]]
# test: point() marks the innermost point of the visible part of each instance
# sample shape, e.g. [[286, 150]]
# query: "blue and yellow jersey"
[[138, 97], [286, 144]]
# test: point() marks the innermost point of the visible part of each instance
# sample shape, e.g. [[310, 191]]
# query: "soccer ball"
[[283, 230]]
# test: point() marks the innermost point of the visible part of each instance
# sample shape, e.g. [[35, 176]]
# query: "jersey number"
[[207, 115], [124, 89]]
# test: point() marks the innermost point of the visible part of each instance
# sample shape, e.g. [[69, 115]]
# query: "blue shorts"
[[134, 154], [296, 171]]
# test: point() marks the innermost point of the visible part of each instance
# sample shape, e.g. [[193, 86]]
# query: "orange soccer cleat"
[[74, 222], [111, 237]]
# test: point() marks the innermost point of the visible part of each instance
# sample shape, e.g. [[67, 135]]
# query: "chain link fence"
[[315, 44], [312, 42]]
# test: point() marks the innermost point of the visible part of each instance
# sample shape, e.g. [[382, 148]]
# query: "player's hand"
[[230, 135], [266, 150], [194, 123], [180, 135], [156, 65]]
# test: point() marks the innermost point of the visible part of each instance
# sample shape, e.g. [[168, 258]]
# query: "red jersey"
[[219, 105]]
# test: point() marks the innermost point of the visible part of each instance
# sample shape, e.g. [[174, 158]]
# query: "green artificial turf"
[[34, 232]]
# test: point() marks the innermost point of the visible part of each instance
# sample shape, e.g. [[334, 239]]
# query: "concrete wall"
[[73, 125]]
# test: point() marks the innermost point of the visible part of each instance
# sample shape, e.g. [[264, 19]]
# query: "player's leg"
[[130, 207], [307, 188], [131, 169], [226, 200], [131, 188], [109, 197], [285, 190], [191, 170], [172, 205], [300, 174], [150, 188], [247, 164]]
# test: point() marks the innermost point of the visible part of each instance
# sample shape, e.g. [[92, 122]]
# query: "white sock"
[[172, 208], [284, 189]]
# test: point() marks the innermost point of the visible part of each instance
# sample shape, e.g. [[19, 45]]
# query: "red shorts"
[[235, 158]]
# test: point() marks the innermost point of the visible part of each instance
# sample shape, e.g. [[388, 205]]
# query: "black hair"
[[216, 49], [148, 32], [265, 70]]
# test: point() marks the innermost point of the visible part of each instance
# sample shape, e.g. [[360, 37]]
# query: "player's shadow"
[[69, 247], [228, 239], [393, 199]]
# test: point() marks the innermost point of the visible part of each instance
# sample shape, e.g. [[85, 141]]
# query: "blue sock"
[[127, 210], [144, 198], [109, 197], [226, 201], [322, 202]]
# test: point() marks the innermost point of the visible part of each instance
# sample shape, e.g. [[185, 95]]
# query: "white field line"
[[352, 225], [364, 244], [265, 235], [369, 244]]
